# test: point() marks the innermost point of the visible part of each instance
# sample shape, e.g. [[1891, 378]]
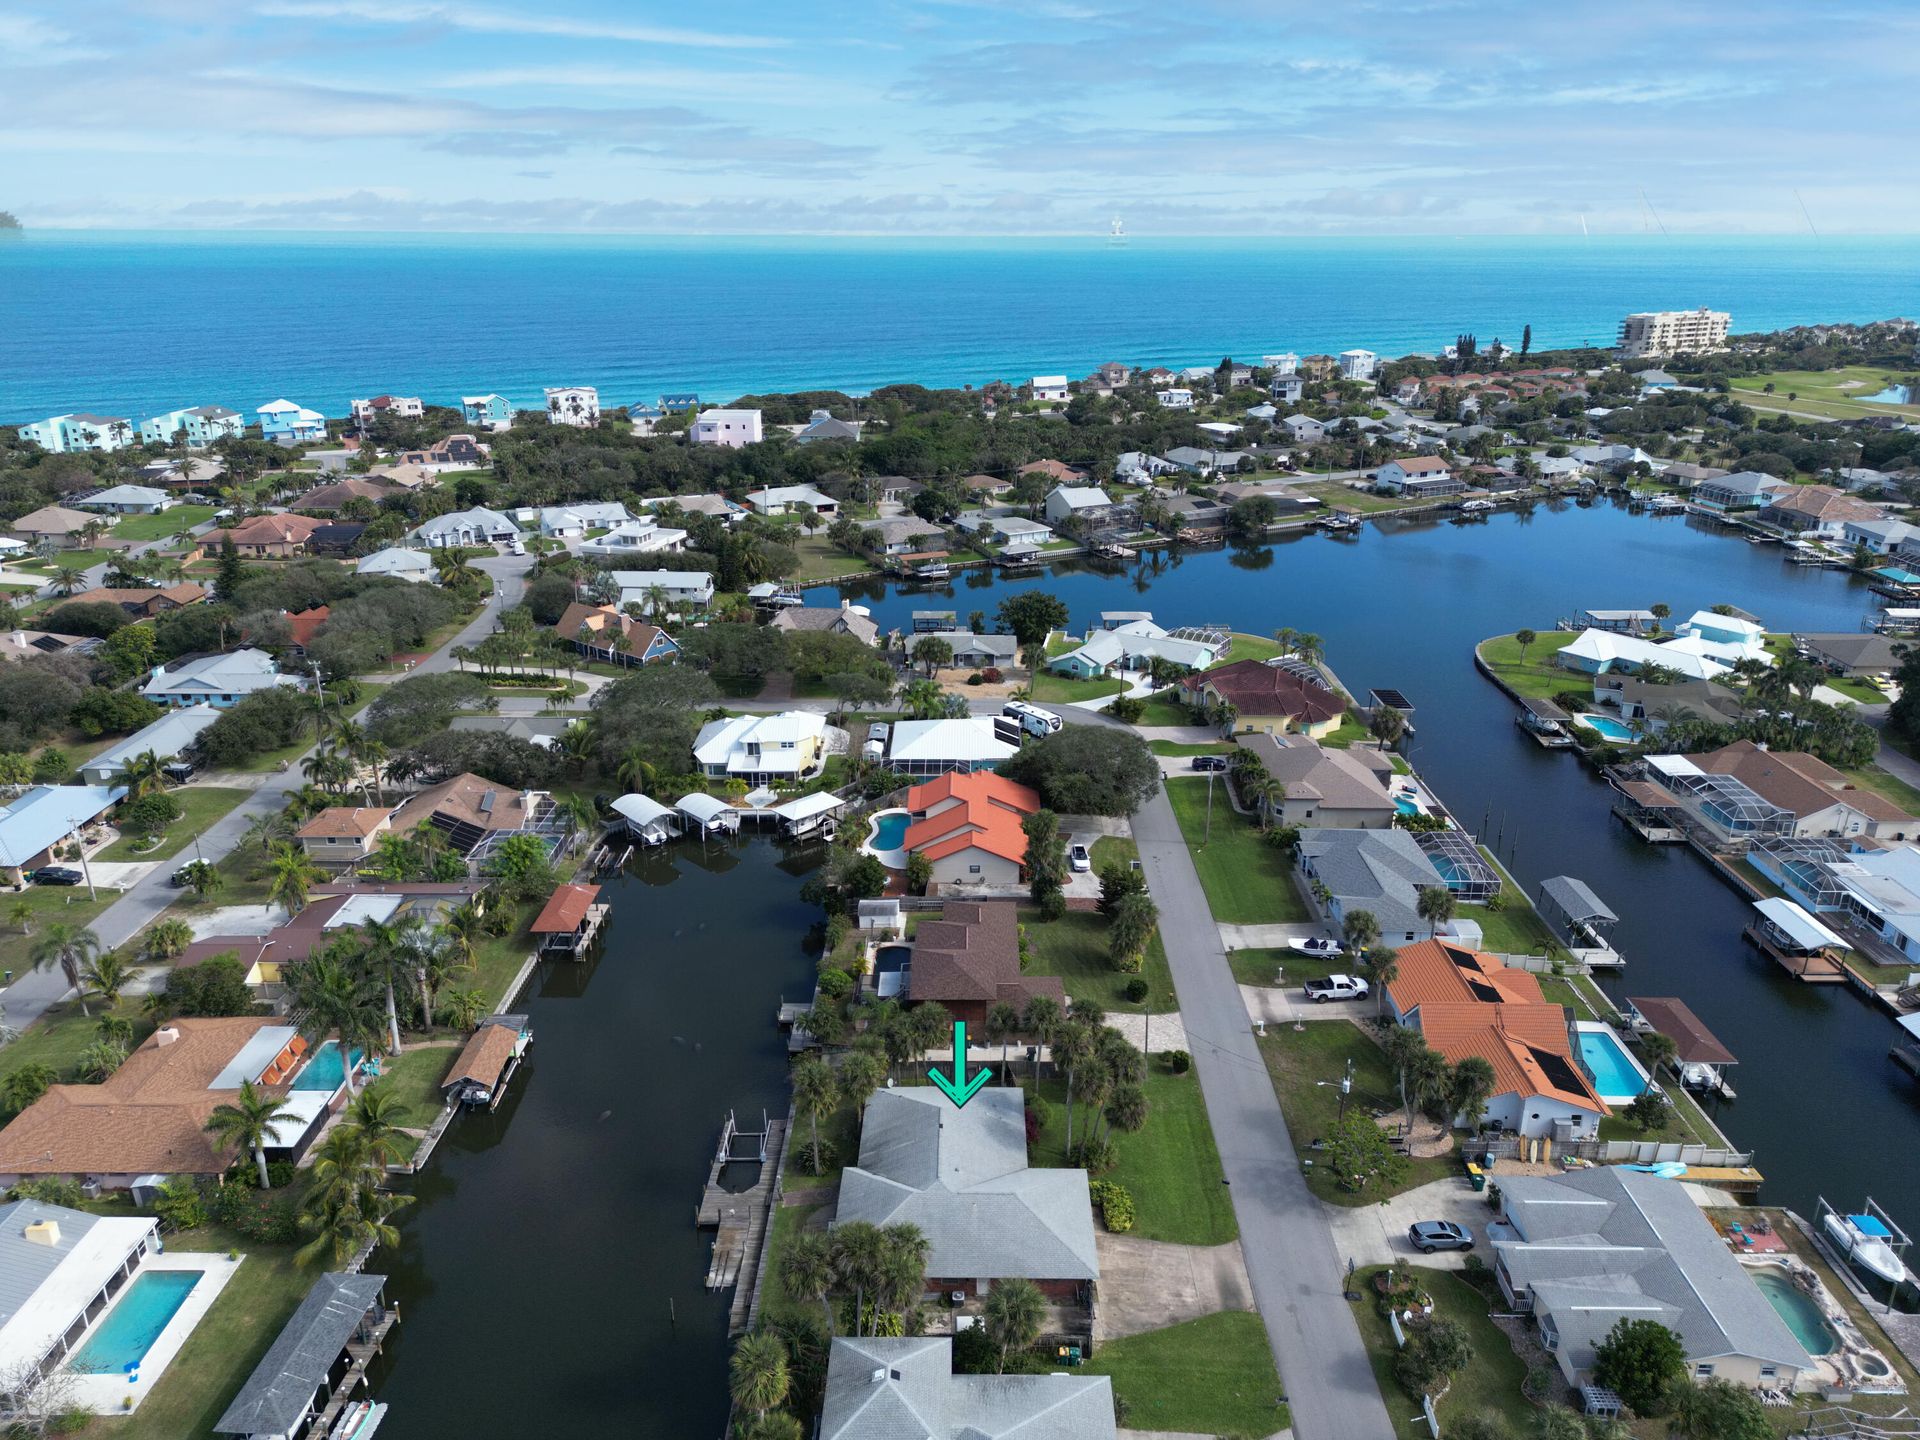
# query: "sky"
[[974, 117]]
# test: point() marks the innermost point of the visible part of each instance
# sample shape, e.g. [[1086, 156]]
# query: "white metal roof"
[[821, 802], [702, 807], [968, 739], [640, 810], [1797, 924], [359, 909], [253, 1057]]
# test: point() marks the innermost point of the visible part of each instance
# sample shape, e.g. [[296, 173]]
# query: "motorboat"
[[1314, 945], [1865, 1240]]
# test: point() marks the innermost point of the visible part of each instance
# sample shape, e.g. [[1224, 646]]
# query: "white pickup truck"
[[1335, 987]]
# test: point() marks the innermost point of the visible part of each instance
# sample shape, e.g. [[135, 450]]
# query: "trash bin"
[[1476, 1177]]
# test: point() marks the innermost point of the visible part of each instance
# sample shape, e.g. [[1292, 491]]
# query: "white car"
[[1078, 857], [1335, 987], [1314, 945]]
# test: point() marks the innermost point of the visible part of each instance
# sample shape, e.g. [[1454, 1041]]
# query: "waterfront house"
[[127, 500], [785, 499], [1465, 1002], [398, 407], [967, 826], [1816, 511], [680, 588], [1685, 476], [1051, 389], [1321, 786], [572, 522], [979, 652], [1599, 652], [1196, 513], [932, 747], [1274, 698], [63, 1268], [961, 1176], [1879, 536], [1175, 399], [1729, 809], [729, 429], [201, 426], [575, 405], [1420, 478], [1657, 706], [334, 908], [1287, 389], [62, 434], [821, 425], [1358, 364], [217, 680], [149, 1116], [1822, 801], [143, 602], [474, 813], [1009, 531], [633, 538], [609, 634], [843, 619], [1067, 503], [1283, 364], [880, 1389], [344, 834], [334, 496], [478, 526], [45, 817], [285, 423], [1304, 429], [263, 537], [168, 737], [1590, 1248], [762, 749], [487, 412], [320, 1353], [1379, 871], [1855, 653], [1742, 490], [54, 525], [902, 535], [1134, 646], [398, 563]]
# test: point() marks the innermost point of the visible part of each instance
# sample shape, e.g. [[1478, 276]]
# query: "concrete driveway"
[[1377, 1234], [1286, 1005], [1149, 1284]]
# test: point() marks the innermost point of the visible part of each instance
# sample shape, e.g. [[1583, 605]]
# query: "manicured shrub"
[[836, 984], [1116, 1205], [1136, 989], [1179, 1062]]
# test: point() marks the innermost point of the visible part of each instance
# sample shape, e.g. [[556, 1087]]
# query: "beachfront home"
[[478, 526], [1134, 646], [398, 563], [1742, 490], [1591, 1248], [785, 499], [1821, 800], [1304, 429], [932, 747], [572, 522], [967, 826], [729, 429], [54, 525], [127, 500], [762, 749], [608, 633], [1420, 478], [166, 737], [821, 425], [285, 423], [263, 537], [1465, 1002], [1358, 364], [344, 834], [1175, 399], [321, 1351], [842, 619], [907, 1390], [1379, 871], [217, 680], [398, 407], [63, 1267], [1816, 511], [575, 405], [1274, 698], [201, 426], [1051, 389], [82, 432], [678, 588], [1075, 502], [961, 1176], [487, 412], [1321, 786], [143, 602], [46, 816]]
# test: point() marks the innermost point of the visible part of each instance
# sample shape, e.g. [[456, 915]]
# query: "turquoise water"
[[1613, 1072], [1610, 728], [324, 1071], [1892, 395], [827, 312], [135, 1321], [1405, 806], [890, 830], [1803, 1317]]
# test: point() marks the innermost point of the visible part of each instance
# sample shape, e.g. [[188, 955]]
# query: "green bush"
[[1136, 989], [1179, 1062], [1127, 709], [1116, 1205], [180, 1205], [836, 984], [1096, 1157], [51, 1191]]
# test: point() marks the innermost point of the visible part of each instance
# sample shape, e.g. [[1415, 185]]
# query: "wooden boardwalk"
[[740, 1219]]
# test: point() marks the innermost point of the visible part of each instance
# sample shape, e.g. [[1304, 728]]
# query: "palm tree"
[[1013, 1312], [464, 927], [1072, 1048], [861, 1073], [806, 1269], [1657, 1050], [66, 579], [578, 810], [388, 955], [757, 1375], [1379, 966], [1435, 906], [815, 1094], [1003, 1023], [329, 999], [375, 1112], [857, 1251], [146, 774], [70, 947], [1470, 1086], [247, 1122], [105, 976], [636, 772], [293, 875], [21, 913], [463, 1008], [903, 1267], [1359, 929]]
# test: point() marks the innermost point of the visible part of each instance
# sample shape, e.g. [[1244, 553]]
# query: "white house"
[[1132, 645], [285, 423], [1175, 399], [398, 562], [1304, 429], [64, 1268], [932, 747], [762, 749], [216, 680], [780, 499], [401, 407], [1067, 502], [1286, 364], [478, 526], [575, 405], [127, 500], [1882, 537], [1219, 431], [729, 429], [681, 587], [1051, 388], [572, 522], [1422, 476], [634, 537], [1358, 364], [203, 425], [64, 433]]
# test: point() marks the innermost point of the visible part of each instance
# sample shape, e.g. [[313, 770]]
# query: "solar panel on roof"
[[1558, 1070], [1483, 991], [486, 803]]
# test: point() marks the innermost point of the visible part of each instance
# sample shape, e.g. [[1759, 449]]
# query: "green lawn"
[[1248, 882], [1856, 689], [203, 806], [1299, 1061], [68, 903], [1533, 674], [821, 559], [1490, 1385], [58, 1037], [413, 1079], [498, 959], [1258, 967], [1174, 749], [839, 1133], [1050, 688], [1252, 647], [1110, 848], [1336, 494], [160, 527], [1825, 392], [1515, 929], [273, 760], [67, 560], [1074, 947], [1348, 733], [1211, 1376], [775, 1301], [1165, 709], [1887, 786]]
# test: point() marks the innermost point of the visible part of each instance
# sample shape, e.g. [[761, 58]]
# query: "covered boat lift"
[[1700, 1058], [647, 821], [810, 814], [706, 815], [569, 920], [480, 1075], [1801, 944], [1581, 920]]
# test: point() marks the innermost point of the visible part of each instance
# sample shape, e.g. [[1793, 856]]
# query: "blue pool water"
[[1405, 806], [1614, 1073], [1892, 395], [1803, 1317], [135, 1322], [324, 1071], [890, 830], [1608, 727]]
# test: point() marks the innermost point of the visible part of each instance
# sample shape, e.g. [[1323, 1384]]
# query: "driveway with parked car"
[[1377, 1234]]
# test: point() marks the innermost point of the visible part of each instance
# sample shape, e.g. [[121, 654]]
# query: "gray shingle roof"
[[276, 1394], [1379, 871], [962, 1177], [906, 1390]]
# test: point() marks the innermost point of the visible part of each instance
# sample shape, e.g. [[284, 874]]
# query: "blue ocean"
[[140, 323]]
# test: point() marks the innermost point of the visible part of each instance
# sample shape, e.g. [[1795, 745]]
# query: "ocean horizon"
[[137, 323]]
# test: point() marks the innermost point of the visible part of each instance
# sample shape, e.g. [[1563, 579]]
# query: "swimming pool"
[[324, 1071], [1406, 805], [1617, 1076], [1609, 728], [890, 830], [135, 1322], [1799, 1310]]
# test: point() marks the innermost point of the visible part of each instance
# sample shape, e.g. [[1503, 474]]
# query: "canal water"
[[550, 1277]]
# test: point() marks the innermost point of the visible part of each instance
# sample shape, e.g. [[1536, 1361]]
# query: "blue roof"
[[1897, 575], [1870, 1225], [48, 814]]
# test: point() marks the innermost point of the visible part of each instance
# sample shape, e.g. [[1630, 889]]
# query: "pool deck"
[[108, 1394]]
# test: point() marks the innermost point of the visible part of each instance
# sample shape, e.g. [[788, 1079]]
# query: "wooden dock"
[[740, 1218], [360, 1352], [1816, 968]]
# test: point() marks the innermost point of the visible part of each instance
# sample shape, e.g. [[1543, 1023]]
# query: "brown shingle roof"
[[460, 799], [485, 1056], [1255, 688], [1693, 1043], [1793, 780], [358, 821], [972, 952]]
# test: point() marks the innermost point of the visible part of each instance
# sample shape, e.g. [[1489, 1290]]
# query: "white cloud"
[[27, 41], [509, 22]]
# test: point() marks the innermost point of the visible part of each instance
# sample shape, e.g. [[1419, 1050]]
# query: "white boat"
[[1863, 1239], [1116, 232]]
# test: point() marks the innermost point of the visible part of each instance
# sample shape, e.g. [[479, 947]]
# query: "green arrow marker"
[[959, 1089]]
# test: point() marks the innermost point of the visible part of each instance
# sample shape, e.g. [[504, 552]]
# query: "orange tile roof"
[[565, 910], [306, 624], [1522, 1042], [1440, 971], [987, 818]]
